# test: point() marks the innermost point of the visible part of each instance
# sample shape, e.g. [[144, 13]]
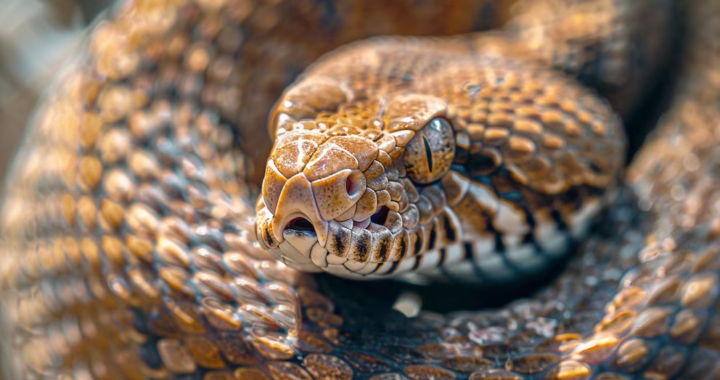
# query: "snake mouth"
[[301, 248], [299, 241], [300, 224]]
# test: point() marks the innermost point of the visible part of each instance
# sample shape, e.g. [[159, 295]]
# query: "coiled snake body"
[[132, 248]]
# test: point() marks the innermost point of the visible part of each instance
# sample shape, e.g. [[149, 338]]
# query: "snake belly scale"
[[145, 237]]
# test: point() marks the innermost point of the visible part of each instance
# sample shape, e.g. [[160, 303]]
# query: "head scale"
[[343, 189]]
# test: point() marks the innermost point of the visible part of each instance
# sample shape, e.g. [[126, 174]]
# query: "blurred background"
[[36, 37]]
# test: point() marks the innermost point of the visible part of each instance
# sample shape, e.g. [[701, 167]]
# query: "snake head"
[[343, 197], [485, 161], [313, 182]]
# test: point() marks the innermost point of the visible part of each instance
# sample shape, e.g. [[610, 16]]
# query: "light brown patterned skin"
[[400, 152], [129, 238]]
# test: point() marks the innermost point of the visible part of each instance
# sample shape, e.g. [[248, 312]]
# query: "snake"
[[205, 186]]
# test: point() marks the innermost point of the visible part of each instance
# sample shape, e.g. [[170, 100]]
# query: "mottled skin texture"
[[410, 150], [129, 245]]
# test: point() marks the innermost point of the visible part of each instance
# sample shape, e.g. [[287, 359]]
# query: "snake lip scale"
[[152, 229]]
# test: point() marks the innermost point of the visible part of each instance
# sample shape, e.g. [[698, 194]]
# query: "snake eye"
[[430, 153]]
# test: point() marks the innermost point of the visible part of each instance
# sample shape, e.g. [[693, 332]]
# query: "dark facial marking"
[[449, 230], [362, 247], [403, 246], [384, 250], [418, 244], [340, 238], [441, 262], [432, 238]]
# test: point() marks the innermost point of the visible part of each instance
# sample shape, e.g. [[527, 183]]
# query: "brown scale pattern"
[[599, 41], [520, 126], [126, 251]]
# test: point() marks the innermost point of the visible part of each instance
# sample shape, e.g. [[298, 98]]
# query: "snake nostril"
[[355, 184], [300, 224]]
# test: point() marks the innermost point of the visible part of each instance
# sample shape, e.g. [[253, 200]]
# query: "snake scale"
[[131, 247]]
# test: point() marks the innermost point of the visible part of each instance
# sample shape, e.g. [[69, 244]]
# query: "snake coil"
[[133, 247]]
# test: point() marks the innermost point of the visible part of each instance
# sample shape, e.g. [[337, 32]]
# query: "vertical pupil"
[[428, 154]]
